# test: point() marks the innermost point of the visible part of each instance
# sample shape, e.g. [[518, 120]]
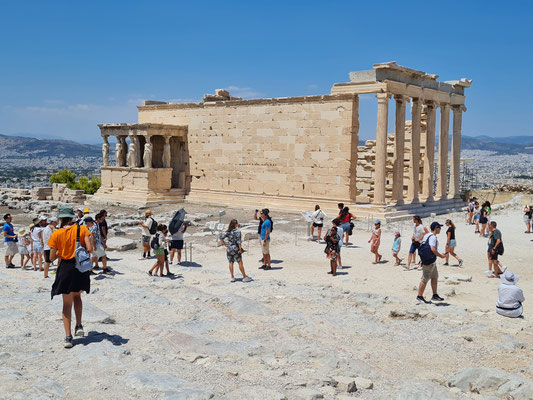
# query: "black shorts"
[[47, 256], [318, 225], [176, 244], [483, 220]]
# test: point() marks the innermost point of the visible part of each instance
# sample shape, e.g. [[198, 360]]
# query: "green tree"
[[89, 186], [64, 176]]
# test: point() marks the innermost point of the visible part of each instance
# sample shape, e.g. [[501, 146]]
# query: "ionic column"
[[455, 166], [166, 152], [442, 183], [429, 160], [414, 166], [399, 150], [105, 151], [380, 171]]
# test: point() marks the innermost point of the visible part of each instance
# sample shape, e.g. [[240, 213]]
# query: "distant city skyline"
[[75, 65]]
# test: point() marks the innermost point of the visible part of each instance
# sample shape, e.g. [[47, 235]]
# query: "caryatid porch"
[[151, 163], [426, 94]]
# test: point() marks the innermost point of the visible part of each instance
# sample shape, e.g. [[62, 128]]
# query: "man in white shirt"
[[176, 243], [510, 296], [47, 232], [146, 235], [429, 271]]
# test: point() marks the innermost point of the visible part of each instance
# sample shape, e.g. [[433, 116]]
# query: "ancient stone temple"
[[295, 152]]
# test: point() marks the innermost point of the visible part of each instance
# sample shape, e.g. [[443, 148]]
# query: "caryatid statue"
[[166, 153], [118, 153], [147, 158], [132, 153], [105, 152]]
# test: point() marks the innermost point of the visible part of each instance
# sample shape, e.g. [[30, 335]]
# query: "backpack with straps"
[[426, 255], [83, 258], [153, 227]]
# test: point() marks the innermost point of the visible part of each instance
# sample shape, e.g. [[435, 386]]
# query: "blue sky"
[[66, 66]]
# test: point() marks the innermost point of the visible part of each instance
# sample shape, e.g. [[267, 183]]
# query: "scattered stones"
[[363, 383], [424, 390], [459, 277], [408, 314], [120, 244], [308, 394], [345, 384]]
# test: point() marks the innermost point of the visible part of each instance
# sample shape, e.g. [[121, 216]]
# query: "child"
[[396, 245], [23, 244], [332, 240], [375, 240], [159, 252]]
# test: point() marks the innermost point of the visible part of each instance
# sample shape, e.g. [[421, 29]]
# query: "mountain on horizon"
[[24, 147], [521, 140]]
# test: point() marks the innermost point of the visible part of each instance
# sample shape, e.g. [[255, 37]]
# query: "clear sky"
[[68, 65]]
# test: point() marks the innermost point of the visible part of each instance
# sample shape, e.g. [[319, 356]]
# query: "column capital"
[[400, 98], [459, 108], [382, 97], [445, 106], [430, 103], [416, 100], [167, 139]]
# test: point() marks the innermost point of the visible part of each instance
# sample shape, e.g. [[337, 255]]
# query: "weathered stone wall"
[[296, 147]]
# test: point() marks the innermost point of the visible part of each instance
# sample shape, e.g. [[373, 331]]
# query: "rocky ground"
[[295, 332]]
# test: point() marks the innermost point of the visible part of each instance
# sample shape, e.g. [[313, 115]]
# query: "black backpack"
[[153, 227], [426, 255], [176, 222], [154, 244]]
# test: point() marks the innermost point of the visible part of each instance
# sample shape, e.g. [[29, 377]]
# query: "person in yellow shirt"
[[69, 281]]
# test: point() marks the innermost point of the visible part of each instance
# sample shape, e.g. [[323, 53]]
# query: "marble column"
[[399, 150], [442, 183], [429, 159], [455, 166], [105, 151], [147, 156], [166, 152], [414, 166], [118, 153], [380, 168], [124, 153]]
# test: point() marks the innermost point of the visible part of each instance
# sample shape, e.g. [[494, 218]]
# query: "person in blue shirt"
[[10, 241], [266, 229]]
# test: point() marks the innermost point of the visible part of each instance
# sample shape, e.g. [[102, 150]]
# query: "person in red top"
[[69, 281], [346, 218]]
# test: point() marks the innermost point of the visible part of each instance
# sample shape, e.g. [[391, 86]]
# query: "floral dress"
[[232, 239], [332, 246]]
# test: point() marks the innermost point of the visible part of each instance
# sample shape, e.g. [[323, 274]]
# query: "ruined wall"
[[294, 147]]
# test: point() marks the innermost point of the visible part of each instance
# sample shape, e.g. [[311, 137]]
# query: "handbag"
[[83, 258], [499, 250]]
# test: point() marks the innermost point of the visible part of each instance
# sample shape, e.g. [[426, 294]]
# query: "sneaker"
[[261, 267], [247, 279], [460, 262], [106, 271], [78, 331], [488, 272], [445, 264], [142, 258], [437, 297], [233, 280], [421, 298], [68, 342], [92, 273], [170, 263], [267, 268], [10, 266]]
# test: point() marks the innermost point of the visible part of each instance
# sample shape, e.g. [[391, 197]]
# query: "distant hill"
[[521, 140], [504, 145], [24, 147]]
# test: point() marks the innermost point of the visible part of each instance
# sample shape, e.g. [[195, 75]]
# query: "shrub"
[[89, 186]]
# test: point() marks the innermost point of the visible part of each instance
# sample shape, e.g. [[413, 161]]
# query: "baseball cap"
[[80, 209], [86, 210], [42, 218], [435, 225]]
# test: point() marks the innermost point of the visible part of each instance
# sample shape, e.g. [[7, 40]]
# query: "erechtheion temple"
[[295, 152]]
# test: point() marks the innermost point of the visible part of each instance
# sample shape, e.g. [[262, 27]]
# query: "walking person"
[[495, 250], [177, 242], [318, 221], [158, 244], [332, 249], [23, 243], [337, 224], [510, 296], [37, 243], [10, 241], [528, 212], [346, 219], [428, 252], [266, 229], [375, 241], [69, 281], [470, 211], [419, 231], [483, 220], [98, 247], [396, 246], [233, 240], [451, 243], [147, 228], [47, 234]]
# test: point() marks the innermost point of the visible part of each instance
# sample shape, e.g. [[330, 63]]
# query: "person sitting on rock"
[[510, 296]]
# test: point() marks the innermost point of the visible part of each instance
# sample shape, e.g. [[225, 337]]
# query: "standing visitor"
[[332, 240], [177, 243], [79, 216], [477, 216], [97, 245], [158, 244], [470, 211], [495, 250], [451, 243], [69, 281], [10, 241], [47, 234], [483, 219], [396, 246], [375, 240], [346, 219], [337, 224], [428, 252], [266, 229], [527, 218], [318, 221], [234, 249], [147, 229], [37, 243], [418, 235], [104, 230], [23, 243], [510, 296]]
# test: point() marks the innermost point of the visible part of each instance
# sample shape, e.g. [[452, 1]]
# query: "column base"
[[428, 199], [416, 200]]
